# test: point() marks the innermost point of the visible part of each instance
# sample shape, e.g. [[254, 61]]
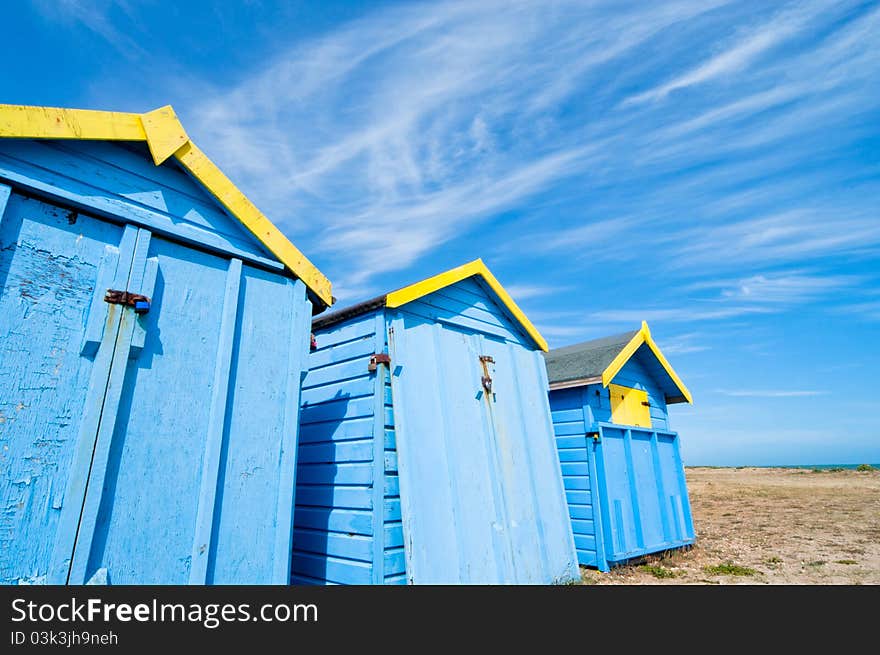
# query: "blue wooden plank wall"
[[119, 181], [571, 419], [336, 508], [333, 521], [643, 490]]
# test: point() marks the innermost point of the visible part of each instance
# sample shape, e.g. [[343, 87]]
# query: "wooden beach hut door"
[[54, 373], [111, 421], [470, 496]]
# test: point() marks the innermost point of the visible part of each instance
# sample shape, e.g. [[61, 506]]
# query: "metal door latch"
[[378, 358], [486, 379], [140, 303]]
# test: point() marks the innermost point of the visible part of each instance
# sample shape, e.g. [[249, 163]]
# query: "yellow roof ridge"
[[477, 267], [643, 336], [165, 137]]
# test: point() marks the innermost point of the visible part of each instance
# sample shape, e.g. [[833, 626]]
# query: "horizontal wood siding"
[[333, 523], [467, 305], [570, 428]]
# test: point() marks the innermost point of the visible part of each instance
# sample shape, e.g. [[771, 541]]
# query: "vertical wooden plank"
[[661, 494], [682, 485], [413, 356], [300, 331], [107, 423], [94, 331], [75, 491], [139, 261], [378, 571], [406, 498], [5, 192], [596, 502], [214, 441], [598, 495], [145, 287], [633, 488], [501, 542], [514, 409]]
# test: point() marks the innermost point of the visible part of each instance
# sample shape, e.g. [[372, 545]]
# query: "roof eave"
[[571, 384], [347, 313]]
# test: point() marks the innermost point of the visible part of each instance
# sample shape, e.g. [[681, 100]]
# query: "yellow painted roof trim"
[[476, 267], [643, 336], [165, 136]]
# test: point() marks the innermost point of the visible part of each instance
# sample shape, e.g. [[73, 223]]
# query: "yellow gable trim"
[[643, 336], [165, 136], [476, 267], [164, 133], [26, 122]]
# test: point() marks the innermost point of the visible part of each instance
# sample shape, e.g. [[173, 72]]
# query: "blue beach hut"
[[623, 473], [154, 327], [426, 445]]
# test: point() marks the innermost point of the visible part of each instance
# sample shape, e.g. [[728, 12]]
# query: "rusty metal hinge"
[[378, 358], [140, 303], [486, 379]]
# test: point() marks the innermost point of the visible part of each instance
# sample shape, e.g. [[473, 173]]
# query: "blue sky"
[[711, 167]]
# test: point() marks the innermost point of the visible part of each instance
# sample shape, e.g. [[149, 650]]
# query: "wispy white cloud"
[[594, 239], [737, 56], [792, 235], [770, 393], [406, 155], [677, 314], [728, 298], [869, 310], [783, 288], [96, 17], [521, 292], [411, 127], [375, 144], [684, 344]]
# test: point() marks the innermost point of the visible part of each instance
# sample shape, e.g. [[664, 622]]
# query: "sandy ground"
[[771, 526]]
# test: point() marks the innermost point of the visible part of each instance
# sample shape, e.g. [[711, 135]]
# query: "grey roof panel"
[[585, 360]]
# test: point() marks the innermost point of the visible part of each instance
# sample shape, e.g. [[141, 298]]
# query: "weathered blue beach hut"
[[154, 326], [624, 478], [426, 445]]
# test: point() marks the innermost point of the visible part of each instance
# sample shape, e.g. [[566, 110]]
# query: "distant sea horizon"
[[782, 466]]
